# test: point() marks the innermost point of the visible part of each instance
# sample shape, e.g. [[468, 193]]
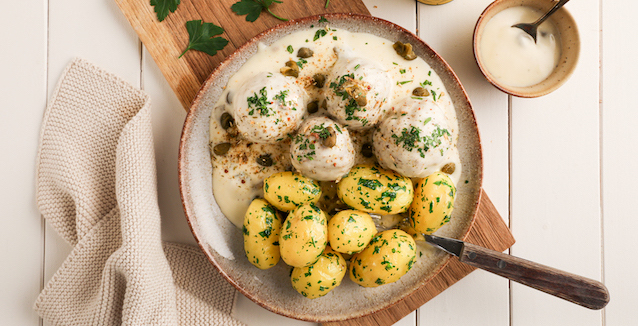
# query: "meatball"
[[358, 92], [415, 140], [268, 107], [322, 149]]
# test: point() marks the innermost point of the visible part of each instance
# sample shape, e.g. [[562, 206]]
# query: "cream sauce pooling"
[[238, 179], [511, 56]]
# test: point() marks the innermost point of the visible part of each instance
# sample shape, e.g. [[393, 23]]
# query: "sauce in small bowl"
[[511, 60]]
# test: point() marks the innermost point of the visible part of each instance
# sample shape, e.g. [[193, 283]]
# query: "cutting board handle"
[[577, 289]]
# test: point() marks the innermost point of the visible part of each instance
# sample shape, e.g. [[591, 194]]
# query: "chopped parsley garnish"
[[321, 131], [319, 33], [352, 106], [290, 49], [434, 94], [323, 19], [281, 97], [357, 66], [301, 62], [426, 83], [259, 102], [402, 71], [411, 138], [403, 82], [372, 184]]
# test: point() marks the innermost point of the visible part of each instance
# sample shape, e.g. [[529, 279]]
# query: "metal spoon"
[[532, 28]]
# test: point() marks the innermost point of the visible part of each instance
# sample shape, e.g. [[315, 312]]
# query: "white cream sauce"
[[511, 56], [238, 179]]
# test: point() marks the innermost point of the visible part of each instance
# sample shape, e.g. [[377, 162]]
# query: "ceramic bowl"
[[222, 242], [569, 46]]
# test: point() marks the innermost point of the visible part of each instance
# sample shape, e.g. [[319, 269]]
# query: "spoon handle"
[[577, 289], [551, 11]]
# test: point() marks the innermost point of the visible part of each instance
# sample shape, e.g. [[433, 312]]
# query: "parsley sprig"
[[252, 8], [201, 37], [164, 7]]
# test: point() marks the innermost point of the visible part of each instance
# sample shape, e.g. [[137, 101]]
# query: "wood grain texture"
[[166, 40], [488, 231], [574, 288]]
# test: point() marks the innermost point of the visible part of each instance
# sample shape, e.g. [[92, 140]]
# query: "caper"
[[229, 98], [324, 105], [291, 69], [221, 149], [319, 79], [420, 91], [227, 120], [305, 53], [357, 93], [313, 107], [366, 150], [331, 140], [264, 160], [404, 50], [448, 168], [361, 100]]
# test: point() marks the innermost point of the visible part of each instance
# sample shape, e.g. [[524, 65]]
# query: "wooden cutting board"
[[165, 41]]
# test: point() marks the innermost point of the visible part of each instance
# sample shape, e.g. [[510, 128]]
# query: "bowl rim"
[[511, 90], [189, 122]]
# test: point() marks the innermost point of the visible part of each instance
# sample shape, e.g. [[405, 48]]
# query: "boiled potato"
[[262, 225], [304, 235], [433, 203], [321, 277], [374, 190], [389, 256], [287, 190], [350, 231]]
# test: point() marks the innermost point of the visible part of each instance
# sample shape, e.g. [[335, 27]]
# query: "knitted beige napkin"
[[97, 188]]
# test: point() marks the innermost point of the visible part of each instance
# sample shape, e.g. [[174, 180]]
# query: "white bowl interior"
[[223, 242]]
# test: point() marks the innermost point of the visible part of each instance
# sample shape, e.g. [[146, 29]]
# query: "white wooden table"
[[561, 169]]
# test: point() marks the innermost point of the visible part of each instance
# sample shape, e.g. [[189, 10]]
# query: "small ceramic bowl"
[[222, 242], [569, 46]]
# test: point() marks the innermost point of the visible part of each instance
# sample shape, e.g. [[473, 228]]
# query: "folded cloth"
[[97, 188]]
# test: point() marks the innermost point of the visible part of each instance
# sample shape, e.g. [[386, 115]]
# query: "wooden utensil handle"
[[577, 289]]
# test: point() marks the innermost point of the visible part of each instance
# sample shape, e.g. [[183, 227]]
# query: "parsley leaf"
[[163, 7], [200, 37], [252, 8]]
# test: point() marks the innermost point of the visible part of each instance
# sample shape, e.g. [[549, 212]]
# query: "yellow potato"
[[350, 231], [320, 278], [374, 190], [287, 190], [262, 225], [389, 256], [433, 203], [304, 236]]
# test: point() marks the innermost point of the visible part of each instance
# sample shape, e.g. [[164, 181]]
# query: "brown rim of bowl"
[[231, 57], [488, 76]]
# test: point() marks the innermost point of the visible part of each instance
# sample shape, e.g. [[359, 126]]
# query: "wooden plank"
[[117, 49], [484, 299], [556, 180], [619, 152], [167, 40], [23, 99], [400, 12]]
